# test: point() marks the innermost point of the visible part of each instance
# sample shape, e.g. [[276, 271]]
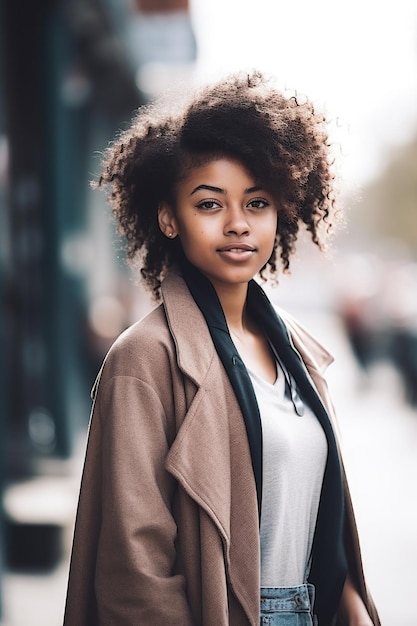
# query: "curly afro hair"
[[282, 141]]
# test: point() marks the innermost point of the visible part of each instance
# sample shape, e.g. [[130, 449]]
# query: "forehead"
[[223, 169]]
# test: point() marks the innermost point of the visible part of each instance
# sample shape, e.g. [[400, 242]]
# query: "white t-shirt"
[[294, 459]]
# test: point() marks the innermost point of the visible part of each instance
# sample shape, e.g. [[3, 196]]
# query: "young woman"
[[213, 491]]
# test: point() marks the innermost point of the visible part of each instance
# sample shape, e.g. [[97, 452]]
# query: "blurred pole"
[[4, 299], [3, 318], [23, 47], [64, 182]]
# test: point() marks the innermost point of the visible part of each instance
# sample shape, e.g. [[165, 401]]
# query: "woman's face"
[[225, 221]]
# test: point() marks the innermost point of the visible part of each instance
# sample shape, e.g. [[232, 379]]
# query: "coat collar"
[[183, 314], [195, 350]]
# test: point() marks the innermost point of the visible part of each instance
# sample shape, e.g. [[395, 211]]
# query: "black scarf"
[[329, 565]]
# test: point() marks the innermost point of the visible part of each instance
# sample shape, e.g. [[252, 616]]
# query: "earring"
[[170, 235]]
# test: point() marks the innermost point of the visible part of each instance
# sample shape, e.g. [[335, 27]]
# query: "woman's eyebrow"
[[208, 188], [220, 190], [253, 189]]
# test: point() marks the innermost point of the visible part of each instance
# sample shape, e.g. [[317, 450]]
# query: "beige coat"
[[167, 530]]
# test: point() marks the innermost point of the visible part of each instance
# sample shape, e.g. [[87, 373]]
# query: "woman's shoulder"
[[143, 344]]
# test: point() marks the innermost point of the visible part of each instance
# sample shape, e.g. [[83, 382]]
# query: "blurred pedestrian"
[[213, 491]]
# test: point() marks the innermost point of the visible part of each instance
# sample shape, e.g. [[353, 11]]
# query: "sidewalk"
[[34, 600], [380, 449], [37, 598]]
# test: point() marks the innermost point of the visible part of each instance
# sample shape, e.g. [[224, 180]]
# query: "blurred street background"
[[72, 73]]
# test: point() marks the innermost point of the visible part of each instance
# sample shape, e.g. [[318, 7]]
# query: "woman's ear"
[[166, 220]]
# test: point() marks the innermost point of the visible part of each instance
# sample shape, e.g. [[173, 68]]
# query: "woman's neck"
[[233, 302], [248, 338]]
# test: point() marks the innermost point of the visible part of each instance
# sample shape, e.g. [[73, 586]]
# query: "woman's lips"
[[236, 252]]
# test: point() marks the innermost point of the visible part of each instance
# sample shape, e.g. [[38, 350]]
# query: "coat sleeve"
[[123, 560]]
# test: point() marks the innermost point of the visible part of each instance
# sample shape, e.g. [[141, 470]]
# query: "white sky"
[[356, 58]]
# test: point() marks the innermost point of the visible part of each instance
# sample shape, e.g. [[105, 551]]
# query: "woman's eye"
[[208, 205], [258, 203]]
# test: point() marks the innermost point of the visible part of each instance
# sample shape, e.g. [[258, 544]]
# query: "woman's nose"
[[236, 222]]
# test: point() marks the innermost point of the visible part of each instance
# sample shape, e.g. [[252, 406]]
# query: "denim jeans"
[[288, 606]]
